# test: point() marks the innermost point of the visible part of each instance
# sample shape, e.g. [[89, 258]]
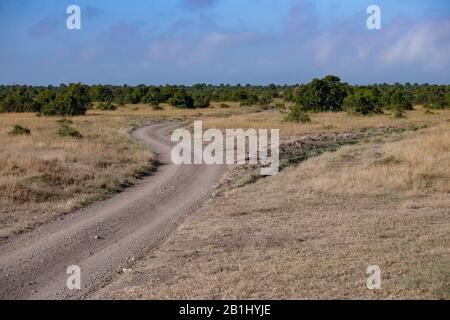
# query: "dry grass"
[[312, 231], [43, 175], [309, 232], [415, 165], [323, 122]]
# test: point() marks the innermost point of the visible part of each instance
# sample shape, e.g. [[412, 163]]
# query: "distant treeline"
[[327, 94]]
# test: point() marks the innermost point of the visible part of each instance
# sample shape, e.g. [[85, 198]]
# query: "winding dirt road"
[[108, 236]]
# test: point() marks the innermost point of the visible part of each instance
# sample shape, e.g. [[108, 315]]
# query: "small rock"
[[98, 238]]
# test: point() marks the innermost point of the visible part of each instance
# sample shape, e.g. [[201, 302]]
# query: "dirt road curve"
[[33, 265]]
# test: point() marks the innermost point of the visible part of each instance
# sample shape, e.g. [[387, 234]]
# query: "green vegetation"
[[296, 114], [20, 131], [181, 100], [70, 101], [327, 94], [65, 130], [363, 101]]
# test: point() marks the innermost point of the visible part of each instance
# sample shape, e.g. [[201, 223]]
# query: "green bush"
[[201, 101], [363, 102], [399, 101], [181, 100], [296, 114], [73, 100], [20, 131], [325, 94], [20, 99], [65, 130], [265, 100]]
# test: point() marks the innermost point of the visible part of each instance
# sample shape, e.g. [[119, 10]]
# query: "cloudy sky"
[[223, 41]]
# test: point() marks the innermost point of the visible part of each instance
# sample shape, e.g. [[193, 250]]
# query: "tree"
[[181, 100], [73, 100], [20, 99], [101, 93], [399, 101], [201, 101], [363, 101], [327, 94], [44, 98], [433, 97]]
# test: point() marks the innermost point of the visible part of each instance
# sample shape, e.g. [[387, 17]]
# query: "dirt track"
[[108, 236]]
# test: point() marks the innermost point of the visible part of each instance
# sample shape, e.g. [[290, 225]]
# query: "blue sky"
[[223, 41]]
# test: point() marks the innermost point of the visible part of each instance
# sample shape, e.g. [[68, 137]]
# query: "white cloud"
[[426, 45]]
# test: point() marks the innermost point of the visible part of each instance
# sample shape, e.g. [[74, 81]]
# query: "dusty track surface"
[[108, 236]]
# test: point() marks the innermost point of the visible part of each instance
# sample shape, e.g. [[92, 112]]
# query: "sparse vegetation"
[[296, 114], [364, 102], [65, 130], [43, 175], [19, 131]]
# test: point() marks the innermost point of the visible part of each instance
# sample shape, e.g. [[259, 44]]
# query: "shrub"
[[20, 131], [432, 97], [20, 99], [399, 101], [265, 100], [296, 114], [437, 101], [363, 102], [181, 100], [67, 131], [201, 101], [250, 101], [224, 106], [325, 94], [73, 100]]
